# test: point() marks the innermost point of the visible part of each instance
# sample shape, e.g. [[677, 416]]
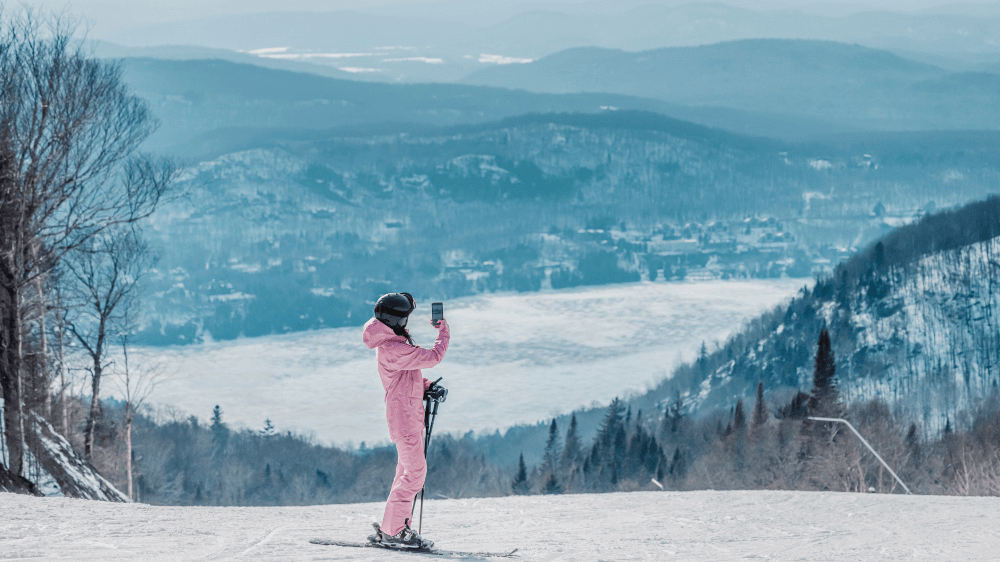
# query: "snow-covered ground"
[[709, 526], [514, 358]]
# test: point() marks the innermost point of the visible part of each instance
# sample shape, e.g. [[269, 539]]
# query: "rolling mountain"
[[194, 97], [290, 231], [450, 33], [858, 86]]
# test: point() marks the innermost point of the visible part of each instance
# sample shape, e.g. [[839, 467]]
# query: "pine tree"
[[759, 408], [571, 451], [552, 485], [220, 432], [520, 483], [702, 361], [610, 424], [824, 388], [739, 418], [678, 466], [551, 461], [268, 430], [878, 259], [217, 417]]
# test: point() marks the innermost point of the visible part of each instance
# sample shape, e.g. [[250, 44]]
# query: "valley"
[[515, 358]]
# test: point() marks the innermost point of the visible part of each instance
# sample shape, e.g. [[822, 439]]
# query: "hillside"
[[912, 321], [862, 87], [705, 526], [315, 224]]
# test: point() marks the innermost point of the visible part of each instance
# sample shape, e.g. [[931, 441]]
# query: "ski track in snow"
[[702, 526], [513, 358]]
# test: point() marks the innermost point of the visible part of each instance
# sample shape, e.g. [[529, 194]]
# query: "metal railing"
[[870, 448]]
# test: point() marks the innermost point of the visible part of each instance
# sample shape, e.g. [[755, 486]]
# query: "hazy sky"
[[108, 16]]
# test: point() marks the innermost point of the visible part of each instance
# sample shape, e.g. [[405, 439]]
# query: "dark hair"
[[401, 331]]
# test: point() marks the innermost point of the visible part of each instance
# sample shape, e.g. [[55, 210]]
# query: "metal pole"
[[870, 448], [429, 415], [427, 443]]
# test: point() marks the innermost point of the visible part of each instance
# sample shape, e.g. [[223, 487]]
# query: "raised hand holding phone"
[[437, 313]]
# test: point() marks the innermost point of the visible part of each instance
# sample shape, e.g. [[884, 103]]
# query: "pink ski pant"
[[411, 468]]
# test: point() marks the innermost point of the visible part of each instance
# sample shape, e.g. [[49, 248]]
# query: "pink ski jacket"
[[399, 365]]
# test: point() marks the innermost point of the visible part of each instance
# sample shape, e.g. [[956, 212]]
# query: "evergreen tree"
[[609, 425], [551, 459], [759, 408], [552, 485], [702, 361], [217, 417], [797, 408], [878, 259], [678, 466], [220, 431], [877, 287], [739, 418], [520, 483], [824, 388], [571, 450], [620, 447], [268, 430]]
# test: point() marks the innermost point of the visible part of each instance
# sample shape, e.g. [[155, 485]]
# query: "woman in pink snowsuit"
[[399, 365]]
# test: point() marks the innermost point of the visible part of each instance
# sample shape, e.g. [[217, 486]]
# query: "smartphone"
[[437, 313]]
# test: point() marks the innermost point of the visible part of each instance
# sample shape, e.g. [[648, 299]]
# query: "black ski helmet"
[[392, 309]]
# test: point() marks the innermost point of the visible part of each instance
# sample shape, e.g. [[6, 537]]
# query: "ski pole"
[[427, 443], [429, 416]]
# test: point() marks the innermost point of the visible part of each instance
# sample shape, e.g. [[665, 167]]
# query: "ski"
[[428, 551]]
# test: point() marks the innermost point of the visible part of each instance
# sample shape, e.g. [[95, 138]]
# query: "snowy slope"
[[935, 337], [709, 526], [925, 340], [514, 358]]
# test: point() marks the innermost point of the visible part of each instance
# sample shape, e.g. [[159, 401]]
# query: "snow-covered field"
[[514, 358], [709, 526]]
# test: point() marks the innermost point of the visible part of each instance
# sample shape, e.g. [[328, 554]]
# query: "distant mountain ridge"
[[192, 97], [544, 30], [859, 86]]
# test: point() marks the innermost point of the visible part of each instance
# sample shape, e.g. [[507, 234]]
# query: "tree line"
[[773, 446], [755, 444], [185, 460]]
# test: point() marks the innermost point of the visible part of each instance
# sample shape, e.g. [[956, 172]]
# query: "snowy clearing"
[[711, 526], [514, 358]]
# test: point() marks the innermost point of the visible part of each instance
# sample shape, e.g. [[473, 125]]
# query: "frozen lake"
[[514, 358]]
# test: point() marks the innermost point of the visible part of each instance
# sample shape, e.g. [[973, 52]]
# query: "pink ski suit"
[[399, 365]]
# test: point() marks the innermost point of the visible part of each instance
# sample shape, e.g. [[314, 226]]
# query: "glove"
[[436, 392]]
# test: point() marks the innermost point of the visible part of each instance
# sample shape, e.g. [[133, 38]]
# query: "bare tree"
[[69, 169], [136, 384], [105, 274]]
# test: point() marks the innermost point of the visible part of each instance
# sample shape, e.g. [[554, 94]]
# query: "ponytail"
[[401, 331]]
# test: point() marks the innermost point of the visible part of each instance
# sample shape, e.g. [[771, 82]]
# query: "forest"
[[756, 444]]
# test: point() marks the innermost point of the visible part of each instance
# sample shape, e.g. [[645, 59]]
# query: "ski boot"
[[407, 538]]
